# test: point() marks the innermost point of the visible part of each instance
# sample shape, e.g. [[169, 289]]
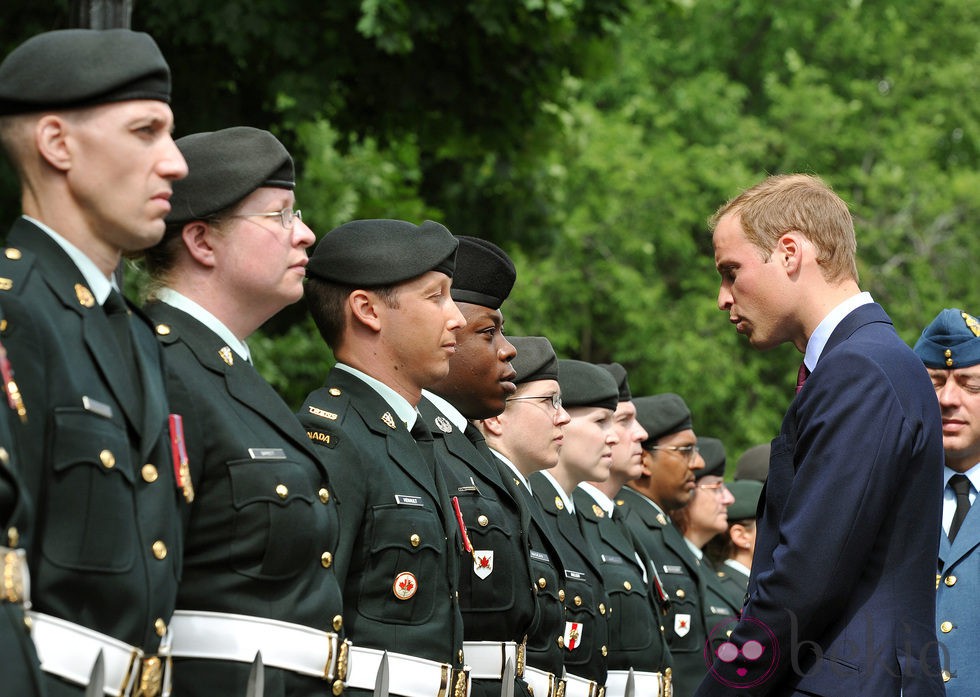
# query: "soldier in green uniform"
[[670, 461], [379, 293], [496, 595], [84, 116], [21, 673], [704, 517], [263, 527], [524, 439], [590, 395], [731, 552], [636, 596]]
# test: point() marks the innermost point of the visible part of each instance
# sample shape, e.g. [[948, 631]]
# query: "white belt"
[[15, 580], [488, 659], [408, 676], [228, 637], [580, 687], [646, 684], [69, 651], [542, 683]]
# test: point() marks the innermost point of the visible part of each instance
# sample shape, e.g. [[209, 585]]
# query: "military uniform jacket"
[[586, 602], [21, 675], [547, 570], [635, 639], [263, 526], [108, 547], [681, 573], [957, 610], [495, 592], [731, 586], [398, 557]]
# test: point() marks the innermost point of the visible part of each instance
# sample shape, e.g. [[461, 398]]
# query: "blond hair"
[[803, 203]]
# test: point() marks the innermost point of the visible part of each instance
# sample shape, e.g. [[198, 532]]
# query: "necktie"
[[801, 377], [961, 485], [118, 316], [423, 439], [473, 434]]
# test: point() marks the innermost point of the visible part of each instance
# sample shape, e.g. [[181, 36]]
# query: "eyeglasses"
[[716, 487], [686, 451], [555, 400], [286, 216]]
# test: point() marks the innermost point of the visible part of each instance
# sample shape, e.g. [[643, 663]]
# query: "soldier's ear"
[[197, 241], [51, 139], [491, 426], [366, 308]]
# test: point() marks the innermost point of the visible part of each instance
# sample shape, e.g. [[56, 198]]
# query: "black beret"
[[535, 359], [713, 452], [662, 414], [754, 463], [484, 273], [951, 341], [746, 505], [619, 375], [381, 252], [225, 167], [73, 68], [586, 385]]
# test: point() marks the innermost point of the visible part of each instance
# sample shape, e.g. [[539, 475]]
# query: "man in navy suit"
[[950, 349], [842, 597]]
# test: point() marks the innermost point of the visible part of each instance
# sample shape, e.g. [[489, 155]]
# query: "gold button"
[[950, 580], [335, 391], [159, 549], [946, 676], [561, 594], [12, 253], [13, 536], [483, 521], [338, 622], [160, 626], [324, 495], [561, 642], [326, 559], [681, 593], [28, 622], [163, 329], [282, 491], [4, 456], [602, 608], [415, 540], [108, 459], [627, 585], [338, 687], [946, 627], [578, 601], [948, 353], [542, 583], [149, 473], [605, 651]]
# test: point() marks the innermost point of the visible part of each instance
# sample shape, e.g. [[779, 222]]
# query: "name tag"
[[611, 558], [719, 610], [574, 575], [323, 413], [540, 556], [96, 407], [406, 500], [267, 453], [671, 569]]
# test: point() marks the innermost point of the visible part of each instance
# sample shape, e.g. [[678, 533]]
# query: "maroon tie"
[[801, 377]]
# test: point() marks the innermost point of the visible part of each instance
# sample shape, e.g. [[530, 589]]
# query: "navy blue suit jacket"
[[842, 592]]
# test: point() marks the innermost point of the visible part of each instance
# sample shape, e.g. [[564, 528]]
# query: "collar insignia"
[[442, 423], [226, 355], [388, 419], [84, 295]]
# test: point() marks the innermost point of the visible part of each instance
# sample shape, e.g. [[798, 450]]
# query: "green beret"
[[713, 452], [73, 68], [484, 273], [662, 414], [586, 385], [535, 359], [951, 341], [746, 493], [225, 167], [754, 463], [381, 252], [619, 375]]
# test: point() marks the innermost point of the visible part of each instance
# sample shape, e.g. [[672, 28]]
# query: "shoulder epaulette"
[[15, 266]]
